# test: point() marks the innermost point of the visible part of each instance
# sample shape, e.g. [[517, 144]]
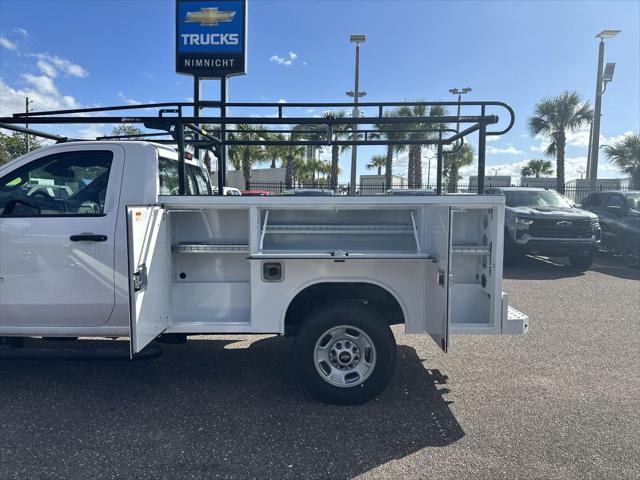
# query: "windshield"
[[633, 200], [536, 199]]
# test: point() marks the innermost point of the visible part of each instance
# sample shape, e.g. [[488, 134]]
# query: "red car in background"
[[256, 193]]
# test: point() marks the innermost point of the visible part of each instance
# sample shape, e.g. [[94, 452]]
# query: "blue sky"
[[94, 52]]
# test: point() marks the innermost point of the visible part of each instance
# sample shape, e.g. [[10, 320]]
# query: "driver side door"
[[58, 215]]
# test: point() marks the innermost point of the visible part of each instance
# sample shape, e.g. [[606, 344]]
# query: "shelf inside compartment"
[[346, 229], [201, 247], [470, 249]]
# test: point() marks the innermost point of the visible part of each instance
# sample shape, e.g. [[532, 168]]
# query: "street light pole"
[[595, 130], [357, 39], [27, 102]]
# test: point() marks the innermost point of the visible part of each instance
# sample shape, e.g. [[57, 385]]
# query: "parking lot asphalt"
[[562, 401]]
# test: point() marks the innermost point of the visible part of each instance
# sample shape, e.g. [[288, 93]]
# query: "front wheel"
[[581, 262], [345, 353]]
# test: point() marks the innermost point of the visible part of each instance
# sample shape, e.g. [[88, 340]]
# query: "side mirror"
[[615, 210]]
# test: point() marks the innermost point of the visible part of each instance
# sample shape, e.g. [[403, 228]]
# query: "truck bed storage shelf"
[[211, 248], [470, 249], [346, 229]]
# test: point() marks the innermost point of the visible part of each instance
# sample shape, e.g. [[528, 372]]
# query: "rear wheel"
[[345, 353], [581, 262], [631, 252]]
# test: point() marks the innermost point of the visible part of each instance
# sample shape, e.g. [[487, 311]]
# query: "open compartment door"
[[149, 250], [438, 278]]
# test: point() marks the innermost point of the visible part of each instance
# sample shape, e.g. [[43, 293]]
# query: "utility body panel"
[[117, 258]]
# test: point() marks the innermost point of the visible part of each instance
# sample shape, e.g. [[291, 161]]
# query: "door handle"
[[88, 237]]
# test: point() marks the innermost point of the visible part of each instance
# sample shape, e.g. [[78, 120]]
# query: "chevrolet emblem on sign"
[[210, 37], [209, 17]]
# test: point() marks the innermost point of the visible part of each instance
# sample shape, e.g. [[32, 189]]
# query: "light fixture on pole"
[[459, 92], [603, 76], [357, 39]]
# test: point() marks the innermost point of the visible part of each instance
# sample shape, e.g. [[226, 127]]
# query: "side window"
[[595, 201], [68, 183], [615, 201], [168, 176], [169, 179], [201, 181]]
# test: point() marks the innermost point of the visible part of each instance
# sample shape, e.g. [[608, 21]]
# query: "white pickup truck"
[[121, 256]]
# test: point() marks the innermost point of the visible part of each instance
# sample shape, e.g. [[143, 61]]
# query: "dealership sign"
[[211, 37]]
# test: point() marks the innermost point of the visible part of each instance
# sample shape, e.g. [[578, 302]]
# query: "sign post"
[[211, 44]]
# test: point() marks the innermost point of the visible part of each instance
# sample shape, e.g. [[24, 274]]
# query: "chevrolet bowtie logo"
[[209, 17]]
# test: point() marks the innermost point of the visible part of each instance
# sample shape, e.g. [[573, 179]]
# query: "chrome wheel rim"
[[344, 356]]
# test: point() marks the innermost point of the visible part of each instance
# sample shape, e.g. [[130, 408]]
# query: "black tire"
[[631, 252], [350, 314], [581, 262]]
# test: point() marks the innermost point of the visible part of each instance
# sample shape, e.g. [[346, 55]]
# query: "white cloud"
[[45, 96], [127, 100], [509, 150], [47, 69], [22, 32], [282, 100], [578, 139], [285, 60], [41, 83], [6, 43], [62, 64]]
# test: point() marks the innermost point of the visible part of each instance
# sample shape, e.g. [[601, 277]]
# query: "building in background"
[[542, 182], [271, 179], [489, 181], [372, 184]]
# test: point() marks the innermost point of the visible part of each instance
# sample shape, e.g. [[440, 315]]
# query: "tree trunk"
[[452, 181], [273, 163], [411, 170], [388, 167], [288, 171], [335, 156], [417, 163], [246, 170], [560, 144], [635, 178], [379, 170]]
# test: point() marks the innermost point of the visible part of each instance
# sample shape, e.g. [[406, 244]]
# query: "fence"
[[576, 192]]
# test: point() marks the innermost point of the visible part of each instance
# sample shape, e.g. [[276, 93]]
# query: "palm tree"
[[536, 167], [377, 161], [625, 154], [390, 132], [244, 156], [453, 162], [553, 117], [415, 151]]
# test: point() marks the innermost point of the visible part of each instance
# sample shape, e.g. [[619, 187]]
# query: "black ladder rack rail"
[[310, 131]]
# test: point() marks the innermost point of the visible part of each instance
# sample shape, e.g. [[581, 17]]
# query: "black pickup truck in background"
[[619, 215], [543, 222]]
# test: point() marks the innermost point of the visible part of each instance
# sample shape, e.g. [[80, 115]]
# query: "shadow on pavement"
[[227, 408], [545, 268]]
